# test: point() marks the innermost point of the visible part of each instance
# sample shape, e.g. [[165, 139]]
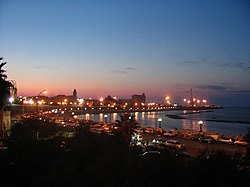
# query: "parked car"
[[170, 133], [226, 140], [175, 144], [150, 156], [158, 141], [206, 139], [241, 142], [149, 130], [148, 153]]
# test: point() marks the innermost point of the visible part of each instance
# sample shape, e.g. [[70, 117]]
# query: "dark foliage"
[[126, 126], [4, 86], [90, 159]]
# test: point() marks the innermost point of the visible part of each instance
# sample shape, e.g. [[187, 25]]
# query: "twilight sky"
[[125, 47]]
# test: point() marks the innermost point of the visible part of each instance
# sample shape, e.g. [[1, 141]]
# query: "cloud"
[[212, 87], [196, 61], [232, 64], [229, 63], [239, 91], [122, 71], [222, 88], [242, 65]]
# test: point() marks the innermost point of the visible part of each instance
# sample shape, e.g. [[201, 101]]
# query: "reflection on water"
[[109, 117], [114, 116], [101, 117], [193, 125], [149, 119]]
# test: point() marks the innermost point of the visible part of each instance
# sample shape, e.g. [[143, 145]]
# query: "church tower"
[[75, 93]]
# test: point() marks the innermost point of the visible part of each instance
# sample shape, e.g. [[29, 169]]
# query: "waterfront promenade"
[[186, 136], [22, 109]]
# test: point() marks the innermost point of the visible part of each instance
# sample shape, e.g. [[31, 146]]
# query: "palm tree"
[[4, 86], [126, 126], [2, 75]]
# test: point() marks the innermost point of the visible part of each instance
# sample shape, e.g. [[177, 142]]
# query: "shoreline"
[[228, 121], [19, 109], [212, 120]]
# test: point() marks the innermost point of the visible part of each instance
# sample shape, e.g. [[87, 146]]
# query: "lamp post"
[[200, 123], [159, 122], [11, 100], [37, 97], [167, 98], [80, 100], [105, 118]]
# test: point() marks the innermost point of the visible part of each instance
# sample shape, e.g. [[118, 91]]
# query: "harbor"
[[223, 120]]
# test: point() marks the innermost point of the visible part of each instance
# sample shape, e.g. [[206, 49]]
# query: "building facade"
[[139, 99]]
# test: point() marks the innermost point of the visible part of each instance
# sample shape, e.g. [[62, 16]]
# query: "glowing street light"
[[43, 91], [105, 118], [80, 100], [200, 123], [11, 100], [31, 102], [167, 98], [37, 97], [159, 121], [101, 101]]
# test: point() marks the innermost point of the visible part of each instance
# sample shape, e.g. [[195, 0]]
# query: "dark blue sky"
[[159, 47]]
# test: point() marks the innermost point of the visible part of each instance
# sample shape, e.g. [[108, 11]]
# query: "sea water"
[[225, 121]]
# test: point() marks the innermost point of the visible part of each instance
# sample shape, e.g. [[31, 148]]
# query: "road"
[[195, 148]]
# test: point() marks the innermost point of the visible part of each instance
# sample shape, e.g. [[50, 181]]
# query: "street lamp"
[[200, 123], [37, 97], [80, 100], [159, 121], [11, 99], [167, 98], [105, 118], [43, 91]]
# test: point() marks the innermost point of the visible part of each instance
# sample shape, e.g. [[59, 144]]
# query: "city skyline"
[[133, 98], [121, 48]]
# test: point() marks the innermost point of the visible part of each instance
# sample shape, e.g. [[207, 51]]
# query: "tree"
[[126, 126], [34, 129], [5, 86], [2, 75]]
